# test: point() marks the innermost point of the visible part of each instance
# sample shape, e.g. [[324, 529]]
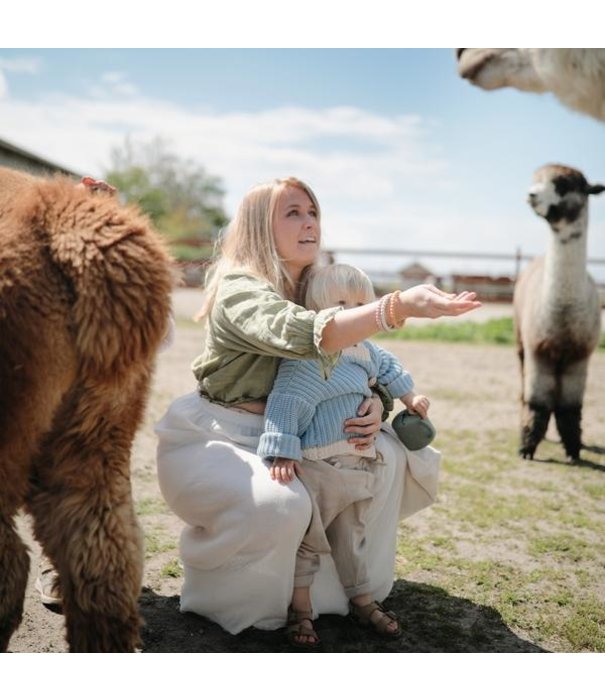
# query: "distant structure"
[[12, 156], [416, 273], [488, 288]]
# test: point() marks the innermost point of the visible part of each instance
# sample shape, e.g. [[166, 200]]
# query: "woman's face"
[[296, 230]]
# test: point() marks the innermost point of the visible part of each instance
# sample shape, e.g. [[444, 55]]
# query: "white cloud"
[[374, 155], [118, 84], [23, 64]]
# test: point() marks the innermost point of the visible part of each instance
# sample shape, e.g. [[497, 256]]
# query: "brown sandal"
[[296, 628], [366, 616]]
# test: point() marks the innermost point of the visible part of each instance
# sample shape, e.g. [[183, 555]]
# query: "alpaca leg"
[[14, 558], [84, 516], [14, 565], [20, 426], [95, 545], [538, 399], [569, 420], [568, 412]]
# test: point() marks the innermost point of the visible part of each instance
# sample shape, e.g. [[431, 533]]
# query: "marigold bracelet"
[[392, 319]]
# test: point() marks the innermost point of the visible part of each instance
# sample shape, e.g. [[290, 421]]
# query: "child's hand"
[[417, 403], [284, 470]]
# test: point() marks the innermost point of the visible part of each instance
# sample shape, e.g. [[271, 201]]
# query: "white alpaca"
[[557, 313], [575, 76]]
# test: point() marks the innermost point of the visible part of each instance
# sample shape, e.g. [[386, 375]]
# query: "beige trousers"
[[341, 489]]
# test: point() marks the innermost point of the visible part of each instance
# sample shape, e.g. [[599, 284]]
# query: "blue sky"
[[401, 152]]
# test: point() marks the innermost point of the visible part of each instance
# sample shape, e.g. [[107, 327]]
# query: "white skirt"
[[243, 529]]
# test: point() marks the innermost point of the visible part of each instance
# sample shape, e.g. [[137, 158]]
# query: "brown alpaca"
[[84, 301]]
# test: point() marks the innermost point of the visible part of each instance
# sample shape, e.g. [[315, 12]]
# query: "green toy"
[[413, 431]]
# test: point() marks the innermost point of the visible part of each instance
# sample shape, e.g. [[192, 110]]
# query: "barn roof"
[[13, 156]]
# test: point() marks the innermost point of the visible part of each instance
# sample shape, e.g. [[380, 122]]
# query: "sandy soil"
[[473, 388]]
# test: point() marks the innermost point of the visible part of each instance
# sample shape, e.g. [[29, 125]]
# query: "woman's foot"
[[47, 584], [299, 630], [374, 616]]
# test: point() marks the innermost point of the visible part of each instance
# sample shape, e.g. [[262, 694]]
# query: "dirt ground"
[[473, 388]]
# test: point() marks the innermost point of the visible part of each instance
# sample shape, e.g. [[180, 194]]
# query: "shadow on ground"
[[434, 622]]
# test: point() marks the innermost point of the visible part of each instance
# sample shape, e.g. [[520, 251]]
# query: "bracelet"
[[381, 316], [392, 318], [378, 317]]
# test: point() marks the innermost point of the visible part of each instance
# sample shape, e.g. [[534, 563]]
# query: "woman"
[[242, 527]]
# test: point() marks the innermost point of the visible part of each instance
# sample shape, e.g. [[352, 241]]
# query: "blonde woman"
[[242, 528]]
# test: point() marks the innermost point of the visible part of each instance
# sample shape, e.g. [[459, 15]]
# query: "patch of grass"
[[496, 331], [585, 627], [173, 569], [157, 542], [558, 545], [594, 490], [150, 506]]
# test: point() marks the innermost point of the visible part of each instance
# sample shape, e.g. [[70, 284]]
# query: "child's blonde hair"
[[328, 285], [249, 243]]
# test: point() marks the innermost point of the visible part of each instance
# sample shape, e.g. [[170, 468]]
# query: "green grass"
[[172, 569], [157, 542], [497, 331], [151, 506]]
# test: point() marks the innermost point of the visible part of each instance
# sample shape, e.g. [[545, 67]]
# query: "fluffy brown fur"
[[84, 301]]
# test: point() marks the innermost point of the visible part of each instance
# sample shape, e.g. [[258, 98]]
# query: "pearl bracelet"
[[381, 315]]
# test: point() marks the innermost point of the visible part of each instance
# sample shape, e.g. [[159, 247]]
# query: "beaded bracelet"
[[381, 316], [393, 297]]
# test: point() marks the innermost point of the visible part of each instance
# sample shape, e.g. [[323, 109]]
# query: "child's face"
[[349, 300]]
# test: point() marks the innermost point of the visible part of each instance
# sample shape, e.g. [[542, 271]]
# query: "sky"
[[402, 153]]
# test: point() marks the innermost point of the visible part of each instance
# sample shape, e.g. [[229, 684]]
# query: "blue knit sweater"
[[305, 413]]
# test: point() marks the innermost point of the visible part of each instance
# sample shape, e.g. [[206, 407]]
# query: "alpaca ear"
[[595, 189]]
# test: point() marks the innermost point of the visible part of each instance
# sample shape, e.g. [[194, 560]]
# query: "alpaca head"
[[492, 69], [575, 76], [559, 194]]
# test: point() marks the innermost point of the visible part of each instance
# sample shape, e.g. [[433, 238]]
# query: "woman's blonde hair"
[[327, 285], [249, 243]]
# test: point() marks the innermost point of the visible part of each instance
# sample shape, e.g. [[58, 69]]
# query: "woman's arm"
[[350, 326]]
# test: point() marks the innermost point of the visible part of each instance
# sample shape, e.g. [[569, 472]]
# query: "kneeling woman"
[[243, 528]]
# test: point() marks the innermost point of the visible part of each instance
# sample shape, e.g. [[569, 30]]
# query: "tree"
[[184, 202]]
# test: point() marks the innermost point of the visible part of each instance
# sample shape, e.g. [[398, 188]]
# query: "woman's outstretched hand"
[[427, 301]]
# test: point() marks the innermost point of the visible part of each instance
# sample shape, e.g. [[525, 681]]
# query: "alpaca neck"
[[565, 275]]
